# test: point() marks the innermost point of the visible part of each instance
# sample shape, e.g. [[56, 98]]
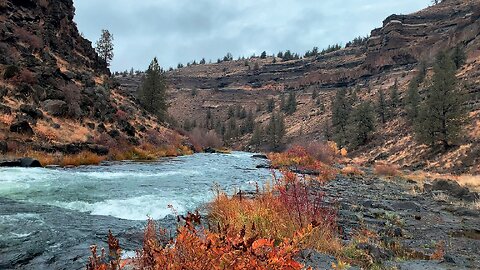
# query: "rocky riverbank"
[[439, 220]]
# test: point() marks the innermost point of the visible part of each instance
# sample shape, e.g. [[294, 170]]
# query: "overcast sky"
[[183, 30]]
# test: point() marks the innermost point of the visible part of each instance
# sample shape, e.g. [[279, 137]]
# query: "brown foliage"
[[389, 170], [202, 139], [25, 36], [24, 76]]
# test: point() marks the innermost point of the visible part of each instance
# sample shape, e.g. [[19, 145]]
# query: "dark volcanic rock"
[[3, 147], [31, 111], [55, 107], [452, 189], [22, 127], [23, 162]]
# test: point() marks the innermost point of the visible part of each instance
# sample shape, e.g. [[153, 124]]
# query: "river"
[[50, 216]]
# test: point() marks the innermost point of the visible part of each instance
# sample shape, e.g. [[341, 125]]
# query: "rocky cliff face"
[[54, 89], [392, 53]]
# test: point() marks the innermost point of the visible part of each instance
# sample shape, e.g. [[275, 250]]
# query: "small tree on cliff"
[[104, 47], [152, 94], [341, 109], [276, 131], [361, 124]]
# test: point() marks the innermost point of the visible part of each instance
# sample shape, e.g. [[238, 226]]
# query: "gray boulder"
[[55, 107]]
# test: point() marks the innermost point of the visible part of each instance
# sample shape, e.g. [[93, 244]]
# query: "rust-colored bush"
[[389, 170], [24, 76], [352, 171], [34, 41], [202, 139]]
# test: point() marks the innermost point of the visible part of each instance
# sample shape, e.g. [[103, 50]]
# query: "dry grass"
[[6, 119], [388, 170], [80, 159], [352, 171]]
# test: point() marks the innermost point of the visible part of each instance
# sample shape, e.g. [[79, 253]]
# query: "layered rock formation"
[[54, 89], [392, 53]]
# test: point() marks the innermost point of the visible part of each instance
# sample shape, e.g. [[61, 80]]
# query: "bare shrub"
[[30, 39], [389, 170], [326, 152], [204, 139], [43, 3], [25, 76]]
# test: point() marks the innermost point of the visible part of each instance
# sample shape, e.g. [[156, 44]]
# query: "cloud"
[[179, 31]]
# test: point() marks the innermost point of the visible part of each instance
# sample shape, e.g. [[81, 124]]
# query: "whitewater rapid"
[[76, 206]]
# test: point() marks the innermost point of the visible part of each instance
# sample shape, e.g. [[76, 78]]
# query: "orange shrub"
[[386, 170], [352, 171], [83, 158], [297, 158]]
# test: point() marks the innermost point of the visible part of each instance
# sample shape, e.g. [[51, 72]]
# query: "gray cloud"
[[183, 30]]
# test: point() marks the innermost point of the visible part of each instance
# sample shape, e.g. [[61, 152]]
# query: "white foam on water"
[[137, 208], [133, 174]]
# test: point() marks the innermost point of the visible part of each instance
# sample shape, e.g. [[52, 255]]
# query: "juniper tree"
[[270, 105], [459, 57], [291, 106], [152, 94], [249, 122], [341, 108], [394, 96], [314, 94], [283, 104], [104, 47], [257, 136], [276, 131], [361, 124], [441, 116], [382, 108], [263, 55], [412, 100]]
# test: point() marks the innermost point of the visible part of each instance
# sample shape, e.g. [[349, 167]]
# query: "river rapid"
[[50, 216]]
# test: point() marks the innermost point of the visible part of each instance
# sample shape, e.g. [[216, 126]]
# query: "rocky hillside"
[[55, 93], [391, 53]]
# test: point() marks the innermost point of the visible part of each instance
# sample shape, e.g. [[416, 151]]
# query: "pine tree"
[[442, 116], [283, 104], [459, 57], [291, 106], [382, 108], [341, 108], [249, 122], [361, 124], [263, 55], [270, 105], [257, 136], [152, 94], [412, 101], [276, 131], [314, 94], [203, 61], [104, 47], [394, 96]]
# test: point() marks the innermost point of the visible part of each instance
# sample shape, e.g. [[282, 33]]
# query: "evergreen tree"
[[231, 112], [459, 57], [341, 108], [412, 101], [152, 94], [441, 117], [291, 106], [382, 108], [257, 136], [276, 131], [249, 122], [283, 104], [280, 55], [104, 47], [270, 105], [394, 96], [362, 124], [314, 94], [203, 61], [263, 55]]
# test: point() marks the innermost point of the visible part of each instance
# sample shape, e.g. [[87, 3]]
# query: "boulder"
[[23, 162], [114, 133], [314, 259], [260, 156], [452, 189], [127, 128], [3, 147], [98, 149], [22, 127], [4, 109], [31, 111], [55, 107]]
